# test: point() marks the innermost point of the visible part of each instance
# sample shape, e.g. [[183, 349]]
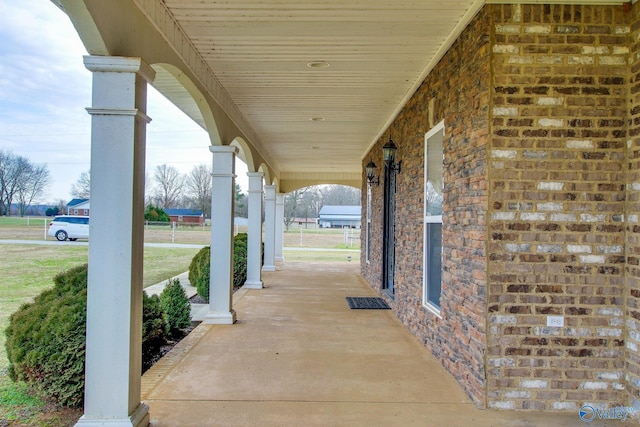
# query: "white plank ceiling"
[[318, 81]]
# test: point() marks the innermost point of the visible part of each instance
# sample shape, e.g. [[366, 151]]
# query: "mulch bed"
[[197, 299]]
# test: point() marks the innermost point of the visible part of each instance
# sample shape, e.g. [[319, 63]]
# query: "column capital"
[[270, 192], [223, 164], [220, 149], [119, 112], [119, 64], [255, 182]]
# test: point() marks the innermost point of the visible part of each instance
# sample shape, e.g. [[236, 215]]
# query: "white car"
[[70, 227]]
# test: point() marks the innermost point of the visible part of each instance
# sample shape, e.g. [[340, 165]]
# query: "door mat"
[[367, 303]]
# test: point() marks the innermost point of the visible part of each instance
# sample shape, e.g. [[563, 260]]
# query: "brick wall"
[[557, 206], [542, 192], [632, 288], [457, 91]]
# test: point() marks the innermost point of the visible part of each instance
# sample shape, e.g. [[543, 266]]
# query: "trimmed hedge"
[[46, 338], [199, 269], [240, 259], [199, 272]]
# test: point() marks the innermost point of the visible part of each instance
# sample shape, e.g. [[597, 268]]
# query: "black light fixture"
[[371, 173], [389, 154]]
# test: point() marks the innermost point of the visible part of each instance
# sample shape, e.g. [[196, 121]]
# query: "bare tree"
[[4, 166], [340, 195], [15, 174], [169, 185], [198, 183], [82, 188], [291, 202], [61, 205], [310, 203], [32, 186]]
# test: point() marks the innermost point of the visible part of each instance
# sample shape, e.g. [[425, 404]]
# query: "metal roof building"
[[340, 216]]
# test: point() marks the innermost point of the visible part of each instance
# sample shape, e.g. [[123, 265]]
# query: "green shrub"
[[155, 214], [239, 259], [202, 282], [46, 338], [176, 307], [198, 262], [199, 269], [154, 329]]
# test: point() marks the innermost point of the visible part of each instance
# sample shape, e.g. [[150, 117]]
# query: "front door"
[[388, 235]]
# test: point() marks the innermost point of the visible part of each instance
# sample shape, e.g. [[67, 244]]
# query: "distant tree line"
[[21, 182], [169, 188]]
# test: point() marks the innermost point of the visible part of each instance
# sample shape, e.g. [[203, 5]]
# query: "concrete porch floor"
[[298, 356]]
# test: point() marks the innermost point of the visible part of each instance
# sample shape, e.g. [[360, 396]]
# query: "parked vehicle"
[[65, 227]]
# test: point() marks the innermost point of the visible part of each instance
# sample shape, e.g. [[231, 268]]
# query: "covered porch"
[[299, 356], [307, 94]]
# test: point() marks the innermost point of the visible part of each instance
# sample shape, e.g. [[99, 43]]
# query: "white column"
[[269, 228], [279, 226], [114, 293], [222, 202], [254, 240]]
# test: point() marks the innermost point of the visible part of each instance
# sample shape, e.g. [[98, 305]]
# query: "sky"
[[45, 90]]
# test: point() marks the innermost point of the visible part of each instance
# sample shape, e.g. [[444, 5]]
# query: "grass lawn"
[[28, 269]]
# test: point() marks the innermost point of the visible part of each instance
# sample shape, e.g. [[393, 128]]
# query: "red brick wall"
[[542, 191], [187, 219], [632, 291], [458, 92], [557, 206]]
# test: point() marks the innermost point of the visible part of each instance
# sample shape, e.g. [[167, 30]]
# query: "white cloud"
[[45, 88]]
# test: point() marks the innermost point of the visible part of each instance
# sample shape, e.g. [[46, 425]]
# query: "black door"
[[388, 235]]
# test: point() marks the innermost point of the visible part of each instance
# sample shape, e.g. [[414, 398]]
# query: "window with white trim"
[[433, 186]]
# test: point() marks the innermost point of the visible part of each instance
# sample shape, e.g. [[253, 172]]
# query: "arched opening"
[[326, 218]]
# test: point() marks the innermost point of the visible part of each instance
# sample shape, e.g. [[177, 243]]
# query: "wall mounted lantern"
[[371, 173], [389, 154]]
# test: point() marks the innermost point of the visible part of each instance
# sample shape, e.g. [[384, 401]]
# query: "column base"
[[139, 418], [268, 268], [253, 284], [213, 318], [279, 259]]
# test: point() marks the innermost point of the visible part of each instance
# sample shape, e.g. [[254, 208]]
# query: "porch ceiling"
[[270, 58], [319, 81], [313, 84]]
